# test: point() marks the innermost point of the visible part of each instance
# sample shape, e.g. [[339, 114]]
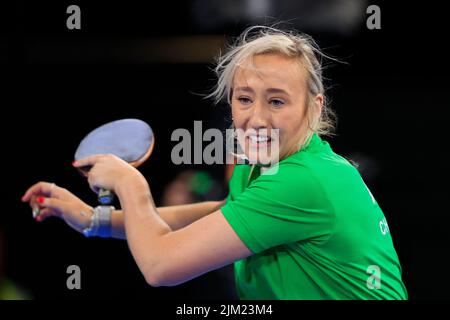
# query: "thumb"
[[46, 213], [58, 206]]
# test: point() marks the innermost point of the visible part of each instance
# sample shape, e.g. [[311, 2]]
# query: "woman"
[[304, 227]]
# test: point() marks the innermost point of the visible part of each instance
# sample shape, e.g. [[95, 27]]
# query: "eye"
[[244, 100], [276, 103]]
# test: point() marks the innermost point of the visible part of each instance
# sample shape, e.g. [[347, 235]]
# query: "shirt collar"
[[314, 143]]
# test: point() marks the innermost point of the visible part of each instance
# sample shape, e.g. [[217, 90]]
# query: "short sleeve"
[[280, 208]]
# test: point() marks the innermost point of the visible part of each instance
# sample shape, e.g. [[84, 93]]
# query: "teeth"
[[254, 138]]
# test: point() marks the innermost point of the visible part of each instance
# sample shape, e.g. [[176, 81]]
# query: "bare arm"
[[176, 217], [167, 257], [62, 203]]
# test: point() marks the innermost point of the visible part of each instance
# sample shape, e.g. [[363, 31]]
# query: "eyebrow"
[[269, 90]]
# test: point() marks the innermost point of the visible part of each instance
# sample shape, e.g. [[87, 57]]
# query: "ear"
[[318, 101]]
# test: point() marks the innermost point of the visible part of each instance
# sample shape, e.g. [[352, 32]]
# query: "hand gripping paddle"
[[131, 140]]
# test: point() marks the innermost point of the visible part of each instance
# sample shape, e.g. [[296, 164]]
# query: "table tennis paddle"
[[132, 140]]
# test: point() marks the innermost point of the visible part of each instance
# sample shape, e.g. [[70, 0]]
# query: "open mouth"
[[258, 141]]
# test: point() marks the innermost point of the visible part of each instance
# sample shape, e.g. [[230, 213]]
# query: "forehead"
[[271, 70]]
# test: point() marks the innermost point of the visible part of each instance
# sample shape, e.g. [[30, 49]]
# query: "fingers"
[[88, 161], [57, 206], [44, 188], [92, 184], [45, 213]]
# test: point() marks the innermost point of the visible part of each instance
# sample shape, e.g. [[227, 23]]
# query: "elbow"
[[153, 281], [155, 277], [151, 273], [158, 277]]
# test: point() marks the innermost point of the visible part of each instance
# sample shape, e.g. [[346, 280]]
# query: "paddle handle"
[[105, 196]]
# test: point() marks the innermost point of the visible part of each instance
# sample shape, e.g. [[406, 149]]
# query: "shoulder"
[[292, 182], [320, 163]]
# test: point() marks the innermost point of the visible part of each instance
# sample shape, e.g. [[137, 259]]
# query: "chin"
[[262, 157], [261, 153]]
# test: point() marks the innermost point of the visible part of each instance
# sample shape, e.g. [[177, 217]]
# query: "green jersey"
[[315, 230]]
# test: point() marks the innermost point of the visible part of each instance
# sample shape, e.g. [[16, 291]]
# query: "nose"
[[259, 118]]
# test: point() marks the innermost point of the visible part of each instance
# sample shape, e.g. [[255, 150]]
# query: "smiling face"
[[269, 94]]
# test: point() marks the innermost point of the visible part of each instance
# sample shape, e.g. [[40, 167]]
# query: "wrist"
[[135, 184], [88, 213], [100, 222]]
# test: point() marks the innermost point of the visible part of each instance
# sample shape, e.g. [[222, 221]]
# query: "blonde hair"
[[262, 40]]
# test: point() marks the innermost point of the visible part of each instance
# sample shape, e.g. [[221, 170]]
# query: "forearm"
[[144, 227], [176, 217]]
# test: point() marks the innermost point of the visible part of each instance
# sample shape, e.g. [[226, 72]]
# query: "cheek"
[[238, 116], [290, 123]]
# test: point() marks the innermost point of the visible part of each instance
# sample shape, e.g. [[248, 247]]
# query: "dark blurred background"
[[152, 60]]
